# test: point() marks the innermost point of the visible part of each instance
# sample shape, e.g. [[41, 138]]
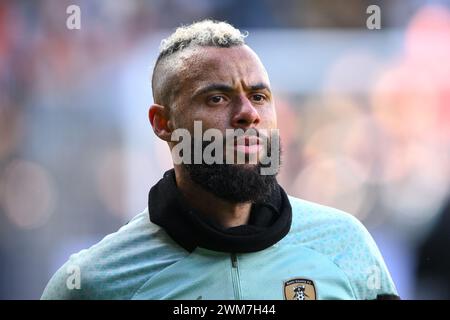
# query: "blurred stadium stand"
[[364, 117]]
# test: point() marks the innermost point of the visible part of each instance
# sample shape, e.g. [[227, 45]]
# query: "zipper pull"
[[234, 260]]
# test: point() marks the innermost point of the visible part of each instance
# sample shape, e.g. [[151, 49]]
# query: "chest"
[[291, 272]]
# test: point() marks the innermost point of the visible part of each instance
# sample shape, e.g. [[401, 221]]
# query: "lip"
[[248, 144], [248, 149]]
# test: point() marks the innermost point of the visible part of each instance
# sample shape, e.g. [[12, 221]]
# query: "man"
[[223, 229]]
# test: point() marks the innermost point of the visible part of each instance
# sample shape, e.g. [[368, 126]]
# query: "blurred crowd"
[[370, 137]]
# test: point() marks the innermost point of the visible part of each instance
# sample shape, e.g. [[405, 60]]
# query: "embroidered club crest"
[[299, 289]]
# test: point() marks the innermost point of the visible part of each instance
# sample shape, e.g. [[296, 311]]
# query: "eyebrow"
[[227, 88], [260, 86]]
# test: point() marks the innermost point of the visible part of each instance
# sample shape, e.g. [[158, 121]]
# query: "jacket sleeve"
[[65, 284], [364, 265]]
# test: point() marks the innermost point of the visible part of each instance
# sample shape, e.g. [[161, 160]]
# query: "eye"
[[257, 97], [217, 99]]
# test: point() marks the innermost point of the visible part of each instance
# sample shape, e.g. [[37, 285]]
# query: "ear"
[[159, 120]]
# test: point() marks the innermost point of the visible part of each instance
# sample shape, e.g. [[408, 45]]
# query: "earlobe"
[[159, 121]]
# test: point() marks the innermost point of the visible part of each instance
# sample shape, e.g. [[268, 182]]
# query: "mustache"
[[253, 132], [233, 138], [246, 138]]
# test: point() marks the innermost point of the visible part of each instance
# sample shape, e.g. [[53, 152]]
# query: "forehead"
[[234, 66]]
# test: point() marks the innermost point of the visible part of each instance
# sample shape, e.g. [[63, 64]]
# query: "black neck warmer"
[[269, 222]]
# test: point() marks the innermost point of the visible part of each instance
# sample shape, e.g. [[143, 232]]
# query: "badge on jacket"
[[299, 289]]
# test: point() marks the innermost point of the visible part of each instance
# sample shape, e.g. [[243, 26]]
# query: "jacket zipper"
[[235, 277]]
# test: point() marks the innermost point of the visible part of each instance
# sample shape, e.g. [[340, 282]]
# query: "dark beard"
[[235, 183]]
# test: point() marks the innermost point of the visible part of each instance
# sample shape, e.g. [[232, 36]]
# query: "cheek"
[[209, 119], [176, 121], [215, 122], [212, 117], [269, 118]]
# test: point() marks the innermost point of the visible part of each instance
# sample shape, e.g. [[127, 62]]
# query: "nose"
[[246, 115]]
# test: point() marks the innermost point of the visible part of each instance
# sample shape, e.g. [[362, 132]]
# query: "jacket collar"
[[269, 222]]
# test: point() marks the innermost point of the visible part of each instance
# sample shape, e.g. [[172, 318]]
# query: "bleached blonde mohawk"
[[202, 33]]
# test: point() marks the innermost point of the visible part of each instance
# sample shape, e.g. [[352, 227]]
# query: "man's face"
[[225, 88]]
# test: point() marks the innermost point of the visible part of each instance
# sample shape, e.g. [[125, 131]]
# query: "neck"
[[225, 213]]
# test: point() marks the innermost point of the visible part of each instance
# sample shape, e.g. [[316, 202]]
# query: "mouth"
[[248, 144]]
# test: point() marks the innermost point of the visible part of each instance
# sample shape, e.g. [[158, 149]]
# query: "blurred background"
[[364, 118]]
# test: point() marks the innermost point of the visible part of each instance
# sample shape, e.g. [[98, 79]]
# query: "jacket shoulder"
[[118, 265], [343, 239]]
